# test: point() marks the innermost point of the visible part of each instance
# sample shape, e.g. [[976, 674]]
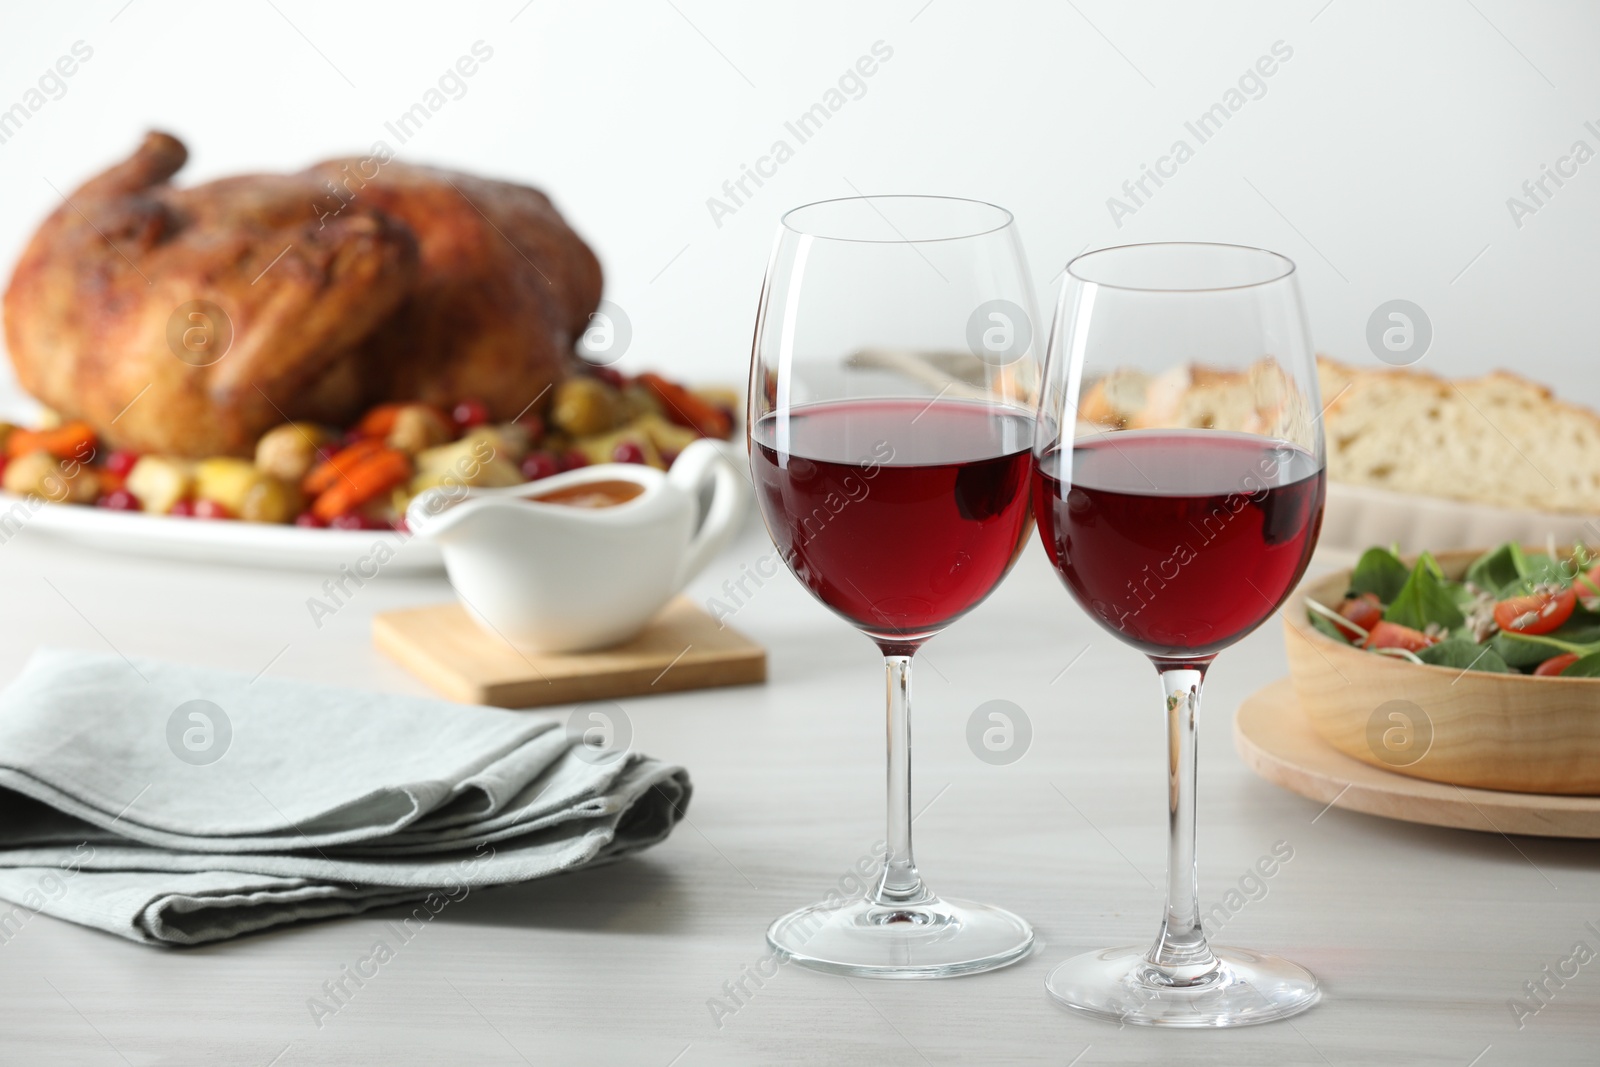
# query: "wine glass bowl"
[[893, 384], [918, 530], [1178, 485]]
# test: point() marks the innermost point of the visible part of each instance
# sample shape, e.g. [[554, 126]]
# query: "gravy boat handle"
[[710, 461]]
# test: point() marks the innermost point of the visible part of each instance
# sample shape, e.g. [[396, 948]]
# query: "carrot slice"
[[379, 421], [362, 481], [686, 409], [333, 469], [70, 440]]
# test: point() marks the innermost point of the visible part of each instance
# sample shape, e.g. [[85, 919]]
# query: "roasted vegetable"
[[416, 427], [603, 449], [72, 440], [38, 473], [271, 500], [325, 474], [687, 409], [584, 406], [289, 451], [159, 482], [226, 481], [362, 480]]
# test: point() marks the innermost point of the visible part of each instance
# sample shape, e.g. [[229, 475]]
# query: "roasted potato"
[[418, 427], [583, 406], [489, 473], [41, 474], [271, 500], [602, 448], [159, 482], [289, 451], [226, 481], [667, 436]]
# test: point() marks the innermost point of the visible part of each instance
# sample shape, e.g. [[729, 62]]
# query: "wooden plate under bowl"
[[1277, 743], [1492, 731]]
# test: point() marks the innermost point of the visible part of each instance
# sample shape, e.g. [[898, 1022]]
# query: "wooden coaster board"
[[1277, 742], [682, 648]]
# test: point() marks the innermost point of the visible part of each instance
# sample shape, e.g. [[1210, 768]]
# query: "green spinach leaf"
[[1498, 568], [1519, 653], [1586, 667], [1462, 654], [1378, 571], [1529, 650], [1425, 598], [1540, 568]]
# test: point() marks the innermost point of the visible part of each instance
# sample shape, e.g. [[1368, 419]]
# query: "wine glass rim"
[[1005, 219], [1287, 264]]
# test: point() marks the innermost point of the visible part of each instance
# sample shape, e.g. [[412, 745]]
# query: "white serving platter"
[[245, 544]]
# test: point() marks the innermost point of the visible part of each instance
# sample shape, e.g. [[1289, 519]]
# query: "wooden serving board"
[[682, 648], [1276, 741]]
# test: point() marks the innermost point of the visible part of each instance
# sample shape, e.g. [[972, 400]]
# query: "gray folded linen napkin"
[[284, 801]]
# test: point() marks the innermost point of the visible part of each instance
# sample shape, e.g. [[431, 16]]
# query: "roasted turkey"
[[188, 321]]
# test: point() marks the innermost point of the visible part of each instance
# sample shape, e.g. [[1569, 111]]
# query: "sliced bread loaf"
[[1500, 440]]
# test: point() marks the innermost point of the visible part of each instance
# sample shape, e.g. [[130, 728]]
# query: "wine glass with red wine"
[[892, 392], [1178, 486]]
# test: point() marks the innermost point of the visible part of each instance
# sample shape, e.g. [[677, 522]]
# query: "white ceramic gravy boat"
[[557, 578]]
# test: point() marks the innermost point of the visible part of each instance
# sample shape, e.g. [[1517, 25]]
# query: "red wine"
[[900, 515], [1179, 542]]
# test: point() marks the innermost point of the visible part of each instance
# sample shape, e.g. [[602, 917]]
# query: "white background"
[[1380, 157]]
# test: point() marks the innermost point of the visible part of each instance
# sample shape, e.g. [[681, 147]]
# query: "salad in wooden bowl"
[[1473, 668]]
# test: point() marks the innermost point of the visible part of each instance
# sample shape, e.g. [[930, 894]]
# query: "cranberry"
[[611, 377], [4, 459], [309, 520], [120, 462], [572, 459], [628, 452], [669, 458], [119, 500], [210, 509], [470, 413], [538, 465], [534, 424], [183, 509], [353, 520]]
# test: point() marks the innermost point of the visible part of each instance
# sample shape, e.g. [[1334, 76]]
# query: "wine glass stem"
[[900, 884], [1180, 953]]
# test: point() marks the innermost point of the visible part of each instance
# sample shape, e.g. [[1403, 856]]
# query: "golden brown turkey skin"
[[401, 283]]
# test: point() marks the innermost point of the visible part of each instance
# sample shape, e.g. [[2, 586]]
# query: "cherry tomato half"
[[1366, 611], [1594, 577], [1556, 664], [1537, 613], [1393, 635]]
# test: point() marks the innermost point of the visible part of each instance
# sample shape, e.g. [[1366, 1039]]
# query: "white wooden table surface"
[[1422, 936]]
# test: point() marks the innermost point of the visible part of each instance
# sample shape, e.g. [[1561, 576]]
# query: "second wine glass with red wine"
[[1178, 484], [892, 390]]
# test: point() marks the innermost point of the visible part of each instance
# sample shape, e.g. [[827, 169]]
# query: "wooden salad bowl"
[[1511, 732]]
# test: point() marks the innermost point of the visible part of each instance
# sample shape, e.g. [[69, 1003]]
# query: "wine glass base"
[[936, 939], [1246, 989]]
